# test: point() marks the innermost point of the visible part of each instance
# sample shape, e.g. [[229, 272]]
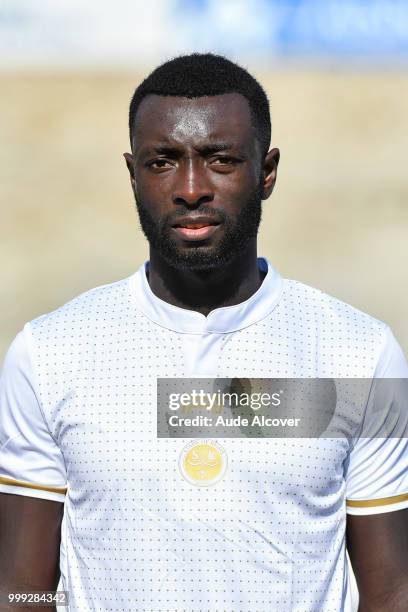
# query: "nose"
[[192, 187]]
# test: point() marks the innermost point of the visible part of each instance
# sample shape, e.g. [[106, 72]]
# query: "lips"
[[195, 228], [195, 222], [194, 225]]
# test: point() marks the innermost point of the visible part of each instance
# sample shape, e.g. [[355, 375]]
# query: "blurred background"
[[336, 75]]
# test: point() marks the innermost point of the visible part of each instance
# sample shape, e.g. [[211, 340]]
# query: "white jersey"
[[78, 424]]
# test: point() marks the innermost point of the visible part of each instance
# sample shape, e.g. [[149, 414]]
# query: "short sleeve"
[[31, 463], [377, 472]]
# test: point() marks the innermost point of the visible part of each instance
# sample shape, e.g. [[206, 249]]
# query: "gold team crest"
[[203, 462]]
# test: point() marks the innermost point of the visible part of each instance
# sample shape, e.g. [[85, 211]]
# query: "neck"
[[206, 290]]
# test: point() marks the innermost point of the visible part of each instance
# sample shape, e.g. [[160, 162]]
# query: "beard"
[[238, 230]]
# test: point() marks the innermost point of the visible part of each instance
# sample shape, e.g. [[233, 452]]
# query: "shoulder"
[[100, 305], [348, 341], [328, 310]]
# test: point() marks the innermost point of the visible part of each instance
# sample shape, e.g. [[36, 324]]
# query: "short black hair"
[[206, 74]]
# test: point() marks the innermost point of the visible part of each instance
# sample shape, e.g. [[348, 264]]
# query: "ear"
[[130, 163], [270, 169]]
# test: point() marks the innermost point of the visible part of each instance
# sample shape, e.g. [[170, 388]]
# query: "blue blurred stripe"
[[318, 27]]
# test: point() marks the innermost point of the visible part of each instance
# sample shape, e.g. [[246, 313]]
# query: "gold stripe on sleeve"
[[372, 503], [30, 485]]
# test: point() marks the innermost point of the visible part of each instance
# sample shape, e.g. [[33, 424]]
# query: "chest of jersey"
[[247, 515], [106, 425]]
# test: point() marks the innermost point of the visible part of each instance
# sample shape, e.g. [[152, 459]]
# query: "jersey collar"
[[220, 320]]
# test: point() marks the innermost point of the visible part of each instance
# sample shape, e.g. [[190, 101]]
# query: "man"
[[141, 527]]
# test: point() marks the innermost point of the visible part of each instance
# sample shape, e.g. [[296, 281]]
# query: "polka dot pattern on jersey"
[[139, 536]]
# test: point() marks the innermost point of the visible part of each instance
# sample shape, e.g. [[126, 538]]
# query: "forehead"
[[193, 120]]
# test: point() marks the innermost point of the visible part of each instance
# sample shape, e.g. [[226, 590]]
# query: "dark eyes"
[[223, 161], [159, 164]]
